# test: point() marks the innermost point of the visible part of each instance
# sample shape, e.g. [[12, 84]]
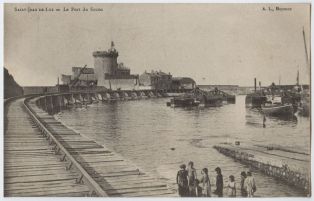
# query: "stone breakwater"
[[289, 166]]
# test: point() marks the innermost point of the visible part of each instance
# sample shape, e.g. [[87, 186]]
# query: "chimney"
[[254, 84], [260, 85]]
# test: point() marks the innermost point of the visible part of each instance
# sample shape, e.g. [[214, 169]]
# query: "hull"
[[202, 98], [280, 110], [305, 106], [216, 102], [304, 109], [183, 102]]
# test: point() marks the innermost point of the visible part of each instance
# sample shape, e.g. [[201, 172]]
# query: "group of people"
[[190, 186]]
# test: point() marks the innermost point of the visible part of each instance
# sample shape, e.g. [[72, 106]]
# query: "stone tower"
[[105, 63]]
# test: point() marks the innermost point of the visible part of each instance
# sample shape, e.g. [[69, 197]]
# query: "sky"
[[212, 43]]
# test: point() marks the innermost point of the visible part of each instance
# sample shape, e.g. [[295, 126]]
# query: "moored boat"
[[215, 101], [202, 98], [255, 100], [305, 106], [278, 110], [183, 101]]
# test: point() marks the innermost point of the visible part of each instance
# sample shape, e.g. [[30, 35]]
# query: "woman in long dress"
[[191, 176], [219, 183], [182, 181], [206, 183]]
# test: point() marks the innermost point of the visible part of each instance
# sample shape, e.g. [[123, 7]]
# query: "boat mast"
[[298, 79], [306, 53], [307, 59]]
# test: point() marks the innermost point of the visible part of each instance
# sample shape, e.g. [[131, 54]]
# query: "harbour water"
[[158, 138]]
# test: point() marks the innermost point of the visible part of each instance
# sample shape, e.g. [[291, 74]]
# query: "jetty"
[[31, 167], [43, 157], [283, 163]]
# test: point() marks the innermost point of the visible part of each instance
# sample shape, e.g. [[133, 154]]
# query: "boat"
[[275, 107], [213, 98], [200, 98], [278, 110], [305, 102], [305, 105], [183, 101], [214, 101], [255, 99]]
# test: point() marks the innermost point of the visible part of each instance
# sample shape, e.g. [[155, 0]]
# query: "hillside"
[[11, 88]]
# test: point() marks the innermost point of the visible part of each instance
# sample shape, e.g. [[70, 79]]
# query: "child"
[[231, 187], [198, 189]]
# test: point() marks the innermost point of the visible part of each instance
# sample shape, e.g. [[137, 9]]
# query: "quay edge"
[[274, 162]]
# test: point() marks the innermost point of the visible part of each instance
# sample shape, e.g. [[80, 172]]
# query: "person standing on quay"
[[182, 181], [249, 184], [191, 177], [219, 183], [243, 189], [206, 183], [231, 187]]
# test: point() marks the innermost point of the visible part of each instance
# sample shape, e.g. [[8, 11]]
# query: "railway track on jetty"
[[42, 157]]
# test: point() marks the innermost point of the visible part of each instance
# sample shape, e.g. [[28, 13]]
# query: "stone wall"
[[277, 169]]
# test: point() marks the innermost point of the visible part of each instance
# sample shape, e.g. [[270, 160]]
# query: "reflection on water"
[[159, 138]]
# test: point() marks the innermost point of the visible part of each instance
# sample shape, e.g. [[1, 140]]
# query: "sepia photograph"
[[157, 100]]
